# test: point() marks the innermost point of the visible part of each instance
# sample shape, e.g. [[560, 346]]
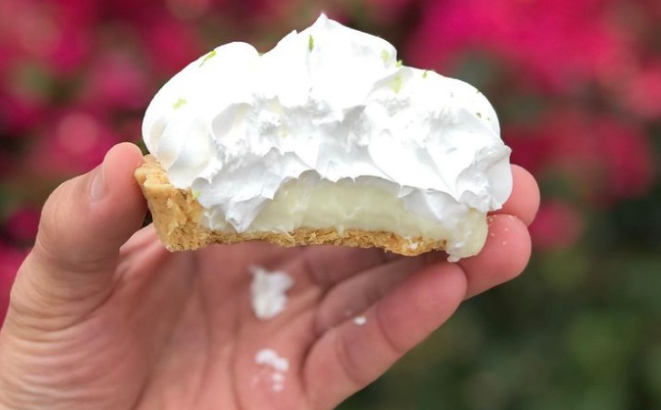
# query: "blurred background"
[[577, 85]]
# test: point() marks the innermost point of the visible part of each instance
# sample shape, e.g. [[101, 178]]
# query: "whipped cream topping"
[[269, 358], [268, 292], [335, 103]]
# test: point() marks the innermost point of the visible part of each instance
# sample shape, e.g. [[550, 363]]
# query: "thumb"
[[83, 224]]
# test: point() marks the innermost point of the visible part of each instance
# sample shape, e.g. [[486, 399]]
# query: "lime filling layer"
[[348, 204]]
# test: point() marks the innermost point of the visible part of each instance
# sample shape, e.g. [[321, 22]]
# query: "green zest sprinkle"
[[179, 103], [196, 194], [398, 63], [397, 83], [479, 114], [424, 74], [210, 54], [310, 43], [385, 56]]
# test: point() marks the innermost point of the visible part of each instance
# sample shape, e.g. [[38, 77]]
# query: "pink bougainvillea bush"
[[576, 83]]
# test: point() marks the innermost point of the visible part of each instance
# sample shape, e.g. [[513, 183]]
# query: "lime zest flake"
[[397, 83], [398, 63], [310, 42], [424, 73], [479, 114], [196, 194], [211, 54], [180, 102], [385, 56]]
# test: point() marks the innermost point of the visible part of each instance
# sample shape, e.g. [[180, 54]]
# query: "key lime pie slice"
[[325, 139]]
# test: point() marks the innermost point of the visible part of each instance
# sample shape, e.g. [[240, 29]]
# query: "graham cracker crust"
[[176, 211]]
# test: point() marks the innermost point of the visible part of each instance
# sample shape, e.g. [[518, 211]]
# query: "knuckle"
[[348, 365], [522, 252]]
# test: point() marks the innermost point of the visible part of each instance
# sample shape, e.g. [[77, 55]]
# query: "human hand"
[[102, 317]]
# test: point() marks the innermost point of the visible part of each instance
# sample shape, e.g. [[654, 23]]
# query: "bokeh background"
[[577, 84]]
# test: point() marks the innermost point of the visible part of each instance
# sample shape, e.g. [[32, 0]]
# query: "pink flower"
[[6, 164], [57, 33], [269, 12], [8, 57], [171, 44], [649, 8], [130, 129], [10, 261], [21, 226], [18, 114], [75, 142], [387, 10], [610, 159], [557, 225], [192, 9], [115, 81], [558, 42], [642, 93], [530, 147], [628, 157], [25, 89]]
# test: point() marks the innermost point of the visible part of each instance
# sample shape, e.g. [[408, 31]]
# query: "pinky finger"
[[354, 354]]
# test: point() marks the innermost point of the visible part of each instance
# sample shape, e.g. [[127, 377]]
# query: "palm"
[[188, 336]]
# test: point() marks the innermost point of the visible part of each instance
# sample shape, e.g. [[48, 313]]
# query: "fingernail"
[[98, 188]]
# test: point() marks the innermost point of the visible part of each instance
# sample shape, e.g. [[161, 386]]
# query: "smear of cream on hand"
[[360, 320], [280, 365], [268, 292]]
